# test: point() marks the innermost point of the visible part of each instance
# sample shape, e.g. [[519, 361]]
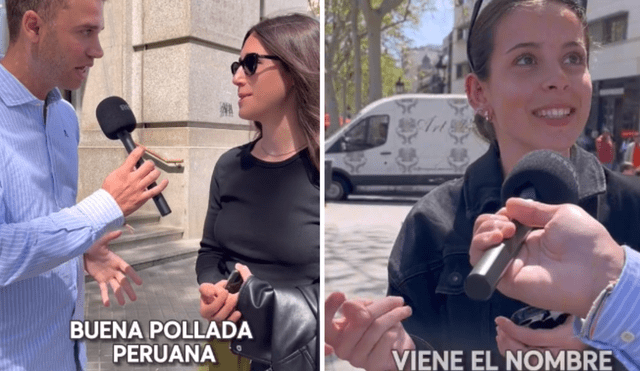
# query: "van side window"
[[370, 132]]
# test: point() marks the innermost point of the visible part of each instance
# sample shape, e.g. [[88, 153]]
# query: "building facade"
[[170, 60], [425, 69], [614, 28], [458, 44], [4, 29]]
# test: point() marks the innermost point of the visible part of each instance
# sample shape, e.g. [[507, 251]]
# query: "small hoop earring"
[[483, 113]]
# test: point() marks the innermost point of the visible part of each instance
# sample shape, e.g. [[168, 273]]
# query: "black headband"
[[474, 15]]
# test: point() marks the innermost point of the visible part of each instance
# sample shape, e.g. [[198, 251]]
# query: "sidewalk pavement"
[[358, 241], [168, 292]]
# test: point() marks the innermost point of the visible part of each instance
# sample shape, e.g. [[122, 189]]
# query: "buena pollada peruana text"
[[160, 353]]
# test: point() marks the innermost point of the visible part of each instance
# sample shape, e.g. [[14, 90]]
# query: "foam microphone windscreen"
[[541, 175], [114, 115], [551, 175]]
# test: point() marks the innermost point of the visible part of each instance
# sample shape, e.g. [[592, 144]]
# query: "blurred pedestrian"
[[605, 149], [627, 168], [632, 153]]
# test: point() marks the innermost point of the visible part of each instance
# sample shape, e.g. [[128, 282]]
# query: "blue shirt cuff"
[[614, 319], [102, 211]]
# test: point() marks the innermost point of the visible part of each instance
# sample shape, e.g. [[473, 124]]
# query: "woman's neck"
[[510, 155], [281, 138]]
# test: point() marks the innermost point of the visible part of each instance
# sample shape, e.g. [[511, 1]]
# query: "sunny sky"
[[434, 26]]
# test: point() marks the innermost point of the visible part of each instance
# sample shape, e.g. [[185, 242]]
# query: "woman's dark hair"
[[295, 39], [481, 42]]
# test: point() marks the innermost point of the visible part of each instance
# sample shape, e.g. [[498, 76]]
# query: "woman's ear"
[[476, 92]]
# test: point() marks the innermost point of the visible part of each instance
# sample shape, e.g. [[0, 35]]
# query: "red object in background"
[[604, 147], [327, 121], [625, 134]]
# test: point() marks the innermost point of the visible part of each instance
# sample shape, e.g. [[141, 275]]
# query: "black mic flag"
[[541, 175], [117, 122]]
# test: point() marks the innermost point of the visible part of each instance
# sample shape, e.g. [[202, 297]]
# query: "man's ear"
[[476, 92], [31, 25]]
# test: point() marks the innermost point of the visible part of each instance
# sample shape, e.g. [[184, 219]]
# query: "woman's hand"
[[245, 272], [216, 304], [512, 337], [368, 332]]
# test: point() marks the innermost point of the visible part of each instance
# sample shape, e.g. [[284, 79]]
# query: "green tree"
[[337, 41], [348, 35]]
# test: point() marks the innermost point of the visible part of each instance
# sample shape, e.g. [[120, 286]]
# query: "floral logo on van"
[[458, 159], [406, 105], [459, 130], [459, 105], [407, 159], [407, 129], [355, 160]]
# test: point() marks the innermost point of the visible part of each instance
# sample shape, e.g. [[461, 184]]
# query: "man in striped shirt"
[[572, 265], [43, 232]]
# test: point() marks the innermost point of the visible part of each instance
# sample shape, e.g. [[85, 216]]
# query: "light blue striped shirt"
[[614, 322], [42, 233]]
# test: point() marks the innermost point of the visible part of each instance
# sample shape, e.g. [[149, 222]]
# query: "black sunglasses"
[[250, 63], [474, 15]]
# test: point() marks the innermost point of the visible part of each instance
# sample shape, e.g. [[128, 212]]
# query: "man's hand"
[[513, 337], [563, 266], [108, 268], [128, 185], [368, 331]]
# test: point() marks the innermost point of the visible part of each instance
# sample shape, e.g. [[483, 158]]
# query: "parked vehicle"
[[408, 143]]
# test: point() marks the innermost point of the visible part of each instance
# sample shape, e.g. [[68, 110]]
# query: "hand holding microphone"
[[130, 187], [541, 175], [562, 266]]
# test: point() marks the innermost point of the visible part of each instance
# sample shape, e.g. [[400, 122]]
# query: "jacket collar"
[[483, 180]]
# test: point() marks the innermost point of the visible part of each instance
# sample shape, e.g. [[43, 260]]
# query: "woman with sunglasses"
[[263, 217], [531, 89]]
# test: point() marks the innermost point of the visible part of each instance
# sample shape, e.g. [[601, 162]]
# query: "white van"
[[408, 143]]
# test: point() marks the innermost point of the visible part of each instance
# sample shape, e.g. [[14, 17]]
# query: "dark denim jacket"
[[430, 258]]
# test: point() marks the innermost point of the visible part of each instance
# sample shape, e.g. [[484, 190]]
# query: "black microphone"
[[541, 175], [117, 122]]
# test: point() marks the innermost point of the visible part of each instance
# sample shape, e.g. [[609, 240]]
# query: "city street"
[[359, 236], [358, 239], [169, 292]]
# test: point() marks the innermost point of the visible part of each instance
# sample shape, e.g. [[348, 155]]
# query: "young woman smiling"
[[531, 89]]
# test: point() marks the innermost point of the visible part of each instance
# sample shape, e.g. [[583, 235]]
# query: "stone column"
[[169, 59]]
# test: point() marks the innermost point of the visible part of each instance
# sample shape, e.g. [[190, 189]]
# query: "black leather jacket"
[[430, 258], [284, 325]]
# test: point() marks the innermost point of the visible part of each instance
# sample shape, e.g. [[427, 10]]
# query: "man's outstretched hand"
[[107, 268]]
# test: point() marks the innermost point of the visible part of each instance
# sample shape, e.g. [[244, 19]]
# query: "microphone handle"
[[483, 279], [159, 200]]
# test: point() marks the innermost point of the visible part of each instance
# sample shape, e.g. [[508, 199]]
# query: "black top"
[[265, 215], [430, 259]]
